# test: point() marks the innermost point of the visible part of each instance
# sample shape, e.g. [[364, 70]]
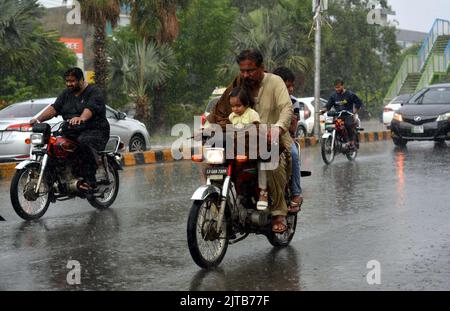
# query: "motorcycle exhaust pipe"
[[72, 186], [259, 218]]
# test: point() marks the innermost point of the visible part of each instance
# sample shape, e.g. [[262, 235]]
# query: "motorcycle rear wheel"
[[109, 191], [22, 183], [283, 239], [206, 245], [326, 149]]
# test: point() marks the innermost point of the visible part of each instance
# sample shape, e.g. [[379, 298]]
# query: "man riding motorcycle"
[[84, 107], [344, 99], [273, 104]]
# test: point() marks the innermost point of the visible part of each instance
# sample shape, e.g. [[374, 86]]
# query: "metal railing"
[[436, 64], [415, 63], [447, 56], [410, 65], [440, 28]]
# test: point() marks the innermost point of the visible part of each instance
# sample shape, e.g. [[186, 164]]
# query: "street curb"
[[165, 155]]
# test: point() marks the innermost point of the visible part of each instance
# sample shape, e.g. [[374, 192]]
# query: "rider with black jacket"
[[84, 107], [344, 99]]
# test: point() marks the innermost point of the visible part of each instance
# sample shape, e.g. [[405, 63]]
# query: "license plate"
[[417, 129], [216, 171]]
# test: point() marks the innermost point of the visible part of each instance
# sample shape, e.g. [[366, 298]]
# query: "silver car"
[[14, 128]]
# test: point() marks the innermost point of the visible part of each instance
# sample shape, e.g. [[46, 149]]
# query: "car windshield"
[[436, 95], [21, 110]]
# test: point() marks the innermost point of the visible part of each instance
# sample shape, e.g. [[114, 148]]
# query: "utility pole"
[[318, 7]]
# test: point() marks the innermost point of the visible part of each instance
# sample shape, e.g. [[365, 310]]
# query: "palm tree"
[[156, 20], [22, 40], [269, 31], [137, 69], [98, 13]]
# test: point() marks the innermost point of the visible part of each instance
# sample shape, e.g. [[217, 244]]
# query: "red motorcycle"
[[335, 138], [53, 173], [224, 209]]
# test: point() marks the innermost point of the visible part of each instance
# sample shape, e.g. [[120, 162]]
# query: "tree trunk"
[[100, 61], [143, 110], [159, 110], [170, 26]]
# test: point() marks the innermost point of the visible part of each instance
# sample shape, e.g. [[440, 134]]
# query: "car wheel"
[[137, 143], [301, 132], [399, 141]]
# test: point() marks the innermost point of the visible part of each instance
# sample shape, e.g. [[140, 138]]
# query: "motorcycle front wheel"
[[283, 239], [28, 204], [328, 151], [106, 193], [207, 245], [351, 156]]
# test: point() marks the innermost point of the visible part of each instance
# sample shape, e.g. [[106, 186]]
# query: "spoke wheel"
[[26, 202], [328, 152], [207, 244], [107, 192]]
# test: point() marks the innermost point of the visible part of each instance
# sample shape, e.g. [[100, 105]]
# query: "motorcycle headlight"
[[443, 117], [215, 155], [398, 117], [37, 139]]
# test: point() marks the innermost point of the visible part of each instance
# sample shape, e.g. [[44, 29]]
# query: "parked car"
[[305, 125], [392, 107], [425, 116], [14, 128]]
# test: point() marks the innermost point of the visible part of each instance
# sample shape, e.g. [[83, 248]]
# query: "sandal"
[[279, 224], [296, 207], [262, 205]]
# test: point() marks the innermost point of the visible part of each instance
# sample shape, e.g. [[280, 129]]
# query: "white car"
[[305, 125], [392, 107]]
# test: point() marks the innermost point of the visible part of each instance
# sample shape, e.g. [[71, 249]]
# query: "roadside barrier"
[[165, 155]]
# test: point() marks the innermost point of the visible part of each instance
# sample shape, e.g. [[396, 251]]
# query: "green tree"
[[364, 55], [33, 60], [205, 33], [137, 68], [98, 13], [157, 21], [268, 29]]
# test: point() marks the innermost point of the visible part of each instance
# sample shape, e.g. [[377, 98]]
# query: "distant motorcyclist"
[[343, 99], [82, 104]]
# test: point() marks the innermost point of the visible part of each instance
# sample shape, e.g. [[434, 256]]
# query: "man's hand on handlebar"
[[34, 121], [76, 121]]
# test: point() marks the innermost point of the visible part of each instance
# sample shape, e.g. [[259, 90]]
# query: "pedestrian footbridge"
[[430, 65]]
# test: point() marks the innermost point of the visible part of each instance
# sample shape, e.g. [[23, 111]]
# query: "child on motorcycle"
[[242, 115]]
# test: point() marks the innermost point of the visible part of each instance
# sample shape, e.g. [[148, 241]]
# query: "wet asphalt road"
[[390, 205]]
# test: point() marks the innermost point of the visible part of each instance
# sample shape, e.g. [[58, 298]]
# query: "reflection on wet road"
[[390, 205]]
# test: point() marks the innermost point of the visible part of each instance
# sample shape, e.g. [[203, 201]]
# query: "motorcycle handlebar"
[[339, 113]]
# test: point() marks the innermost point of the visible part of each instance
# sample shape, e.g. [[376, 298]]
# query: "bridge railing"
[[410, 65], [440, 27], [436, 64]]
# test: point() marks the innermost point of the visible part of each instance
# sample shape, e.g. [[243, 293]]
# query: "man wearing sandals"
[[296, 190], [82, 104], [273, 104]]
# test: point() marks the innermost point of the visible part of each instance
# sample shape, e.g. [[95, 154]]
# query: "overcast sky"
[[411, 14], [419, 14]]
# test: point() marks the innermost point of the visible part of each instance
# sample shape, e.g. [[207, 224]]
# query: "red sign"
[[73, 44]]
